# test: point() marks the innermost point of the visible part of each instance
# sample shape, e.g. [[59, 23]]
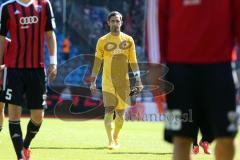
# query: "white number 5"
[[8, 94]]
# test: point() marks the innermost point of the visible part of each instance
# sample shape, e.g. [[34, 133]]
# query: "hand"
[[139, 85], [137, 88], [90, 79], [52, 72], [93, 88]]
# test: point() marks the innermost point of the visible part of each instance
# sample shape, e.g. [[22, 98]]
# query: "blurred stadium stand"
[[86, 22]]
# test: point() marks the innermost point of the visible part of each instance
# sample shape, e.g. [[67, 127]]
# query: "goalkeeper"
[[116, 50]]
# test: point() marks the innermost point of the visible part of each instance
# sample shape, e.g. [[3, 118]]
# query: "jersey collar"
[[24, 4]]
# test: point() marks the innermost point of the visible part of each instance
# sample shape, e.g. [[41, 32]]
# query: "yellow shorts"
[[117, 97]]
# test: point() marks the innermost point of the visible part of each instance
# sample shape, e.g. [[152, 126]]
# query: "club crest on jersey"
[[38, 8], [191, 2], [125, 45]]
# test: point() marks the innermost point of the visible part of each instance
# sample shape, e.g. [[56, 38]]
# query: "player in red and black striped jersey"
[[6, 46], [197, 38], [28, 23]]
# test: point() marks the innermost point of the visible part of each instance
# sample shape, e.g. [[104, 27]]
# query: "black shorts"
[[203, 98], [25, 87], [2, 96], [2, 92]]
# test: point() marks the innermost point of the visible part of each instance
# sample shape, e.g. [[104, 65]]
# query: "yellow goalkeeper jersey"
[[116, 53]]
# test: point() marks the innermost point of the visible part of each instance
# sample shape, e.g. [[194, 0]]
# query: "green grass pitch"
[[86, 140]]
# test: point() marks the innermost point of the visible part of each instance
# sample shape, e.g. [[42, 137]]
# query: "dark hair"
[[114, 13]]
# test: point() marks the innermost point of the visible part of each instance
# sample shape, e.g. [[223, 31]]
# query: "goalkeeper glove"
[[137, 88]]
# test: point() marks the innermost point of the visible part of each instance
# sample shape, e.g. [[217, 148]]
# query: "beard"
[[115, 29]]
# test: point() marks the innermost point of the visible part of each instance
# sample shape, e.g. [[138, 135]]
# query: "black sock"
[[195, 141], [16, 136], [203, 139], [32, 130]]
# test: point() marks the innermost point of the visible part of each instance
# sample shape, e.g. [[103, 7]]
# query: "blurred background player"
[[197, 39], [116, 50], [31, 21], [66, 48], [2, 105]]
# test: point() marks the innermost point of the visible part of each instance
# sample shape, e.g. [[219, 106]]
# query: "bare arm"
[[51, 43], [52, 50], [4, 17], [2, 40]]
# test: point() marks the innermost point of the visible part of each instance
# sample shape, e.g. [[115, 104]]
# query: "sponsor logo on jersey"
[[25, 21]]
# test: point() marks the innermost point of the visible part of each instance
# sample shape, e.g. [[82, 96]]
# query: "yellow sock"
[[119, 120], [108, 119]]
